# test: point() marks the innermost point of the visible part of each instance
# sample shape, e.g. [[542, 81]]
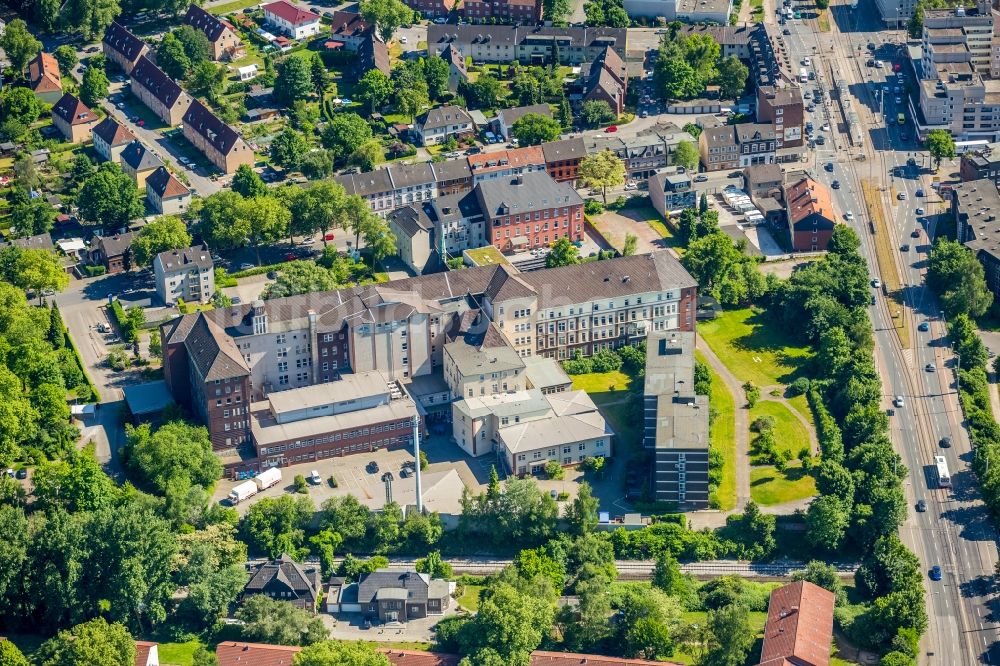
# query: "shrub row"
[[831, 443]]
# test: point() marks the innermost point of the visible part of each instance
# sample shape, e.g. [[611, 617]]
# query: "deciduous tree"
[[109, 197], [19, 44], [294, 80], [167, 232], [686, 155], [94, 87], [603, 170], [533, 129], [279, 622], [386, 16], [94, 642]]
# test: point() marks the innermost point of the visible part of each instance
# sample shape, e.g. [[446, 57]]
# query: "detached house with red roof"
[[165, 193], [220, 143], [226, 45], [122, 47], [799, 627], [294, 21], [74, 119], [111, 138], [811, 219], [44, 78], [350, 29], [159, 92]]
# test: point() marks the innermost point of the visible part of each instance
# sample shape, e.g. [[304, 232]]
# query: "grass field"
[[178, 654], [601, 382], [757, 621], [752, 348], [723, 437], [470, 598], [234, 6], [801, 405], [789, 433], [769, 486]]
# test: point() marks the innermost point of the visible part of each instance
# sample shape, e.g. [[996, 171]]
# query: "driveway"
[[351, 627]]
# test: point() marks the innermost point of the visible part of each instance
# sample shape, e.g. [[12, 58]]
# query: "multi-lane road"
[[955, 532]]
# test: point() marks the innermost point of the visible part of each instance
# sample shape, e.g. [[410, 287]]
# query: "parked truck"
[[242, 491], [267, 478]]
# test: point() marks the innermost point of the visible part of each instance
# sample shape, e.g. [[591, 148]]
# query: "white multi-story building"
[[187, 275], [294, 21]]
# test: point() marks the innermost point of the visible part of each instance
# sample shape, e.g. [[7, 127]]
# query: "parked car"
[[919, 211], [700, 178], [915, 233], [611, 128], [235, 300], [245, 266], [921, 506], [21, 474]]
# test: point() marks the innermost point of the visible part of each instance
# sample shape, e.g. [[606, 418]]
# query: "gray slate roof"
[[443, 116], [303, 580], [408, 580], [527, 192], [172, 260], [139, 158]]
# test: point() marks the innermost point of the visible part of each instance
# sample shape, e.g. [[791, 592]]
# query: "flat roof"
[[266, 430], [553, 431], [350, 386], [545, 372], [148, 398], [504, 404]]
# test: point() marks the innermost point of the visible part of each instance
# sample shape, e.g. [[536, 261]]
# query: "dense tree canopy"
[[164, 233], [958, 278]]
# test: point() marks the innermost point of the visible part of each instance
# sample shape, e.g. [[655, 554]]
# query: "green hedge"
[[259, 270], [118, 313], [94, 395], [827, 431]]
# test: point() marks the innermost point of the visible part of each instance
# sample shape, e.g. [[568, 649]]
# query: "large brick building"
[[529, 210], [811, 219], [218, 363], [122, 47], [217, 141], [159, 92]]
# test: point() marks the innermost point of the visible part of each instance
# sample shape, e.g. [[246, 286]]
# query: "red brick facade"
[[540, 227]]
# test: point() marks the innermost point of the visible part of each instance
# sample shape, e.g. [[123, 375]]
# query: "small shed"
[[146, 402], [247, 73]]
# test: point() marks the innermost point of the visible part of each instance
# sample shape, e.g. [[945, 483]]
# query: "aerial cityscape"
[[500, 333]]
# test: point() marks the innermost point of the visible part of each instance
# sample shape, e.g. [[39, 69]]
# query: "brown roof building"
[[73, 118], [122, 47], [604, 79], [718, 148], [562, 158], [112, 252], [784, 108], [349, 28], [226, 45], [232, 653], [284, 579], [811, 219], [44, 78], [111, 138], [799, 627], [165, 193], [220, 143], [372, 54], [502, 11], [147, 653], [159, 92]]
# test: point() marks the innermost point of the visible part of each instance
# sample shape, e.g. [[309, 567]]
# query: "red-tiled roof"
[[348, 24], [799, 626], [542, 658], [807, 197], [43, 73], [165, 184], [142, 652], [72, 111], [290, 13], [232, 653], [399, 657]]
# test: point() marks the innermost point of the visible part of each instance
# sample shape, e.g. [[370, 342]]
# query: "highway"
[[955, 531]]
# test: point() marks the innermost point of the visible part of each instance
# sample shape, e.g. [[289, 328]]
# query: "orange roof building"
[[44, 78], [799, 627], [811, 219], [238, 653]]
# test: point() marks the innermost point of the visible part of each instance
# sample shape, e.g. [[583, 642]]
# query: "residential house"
[[642, 155], [166, 194], [528, 44], [398, 329], [187, 274], [428, 232], [437, 125], [783, 107], [400, 595], [415, 234], [372, 54], [226, 45], [670, 193], [74, 119], [983, 163], [975, 206], [44, 78], [809, 210], [605, 79], [349, 28], [705, 11], [431, 8], [147, 653], [457, 73], [36, 242], [763, 180], [676, 421], [757, 143], [284, 579], [718, 148], [219, 142], [529, 210], [233, 653], [502, 11], [375, 187], [112, 252], [139, 162], [111, 138], [799, 627], [452, 176], [562, 158], [504, 123], [503, 164], [122, 47], [292, 20], [161, 94], [479, 361]]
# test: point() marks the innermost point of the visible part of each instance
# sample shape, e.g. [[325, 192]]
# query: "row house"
[[757, 143], [502, 11], [429, 232], [535, 44], [718, 148], [122, 47], [529, 210], [217, 141], [222, 37], [431, 8], [506, 163], [984, 163], [783, 107], [643, 156], [138, 162], [44, 78], [160, 93], [218, 362]]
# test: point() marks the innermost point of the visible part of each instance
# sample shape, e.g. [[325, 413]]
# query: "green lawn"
[[801, 404], [789, 433], [234, 6], [757, 621], [752, 348], [178, 654], [769, 486], [723, 436], [470, 598], [601, 382]]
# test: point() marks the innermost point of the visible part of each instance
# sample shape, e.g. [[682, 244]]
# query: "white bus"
[[944, 478]]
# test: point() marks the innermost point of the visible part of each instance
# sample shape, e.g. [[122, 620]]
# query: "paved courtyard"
[[615, 225], [351, 627]]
